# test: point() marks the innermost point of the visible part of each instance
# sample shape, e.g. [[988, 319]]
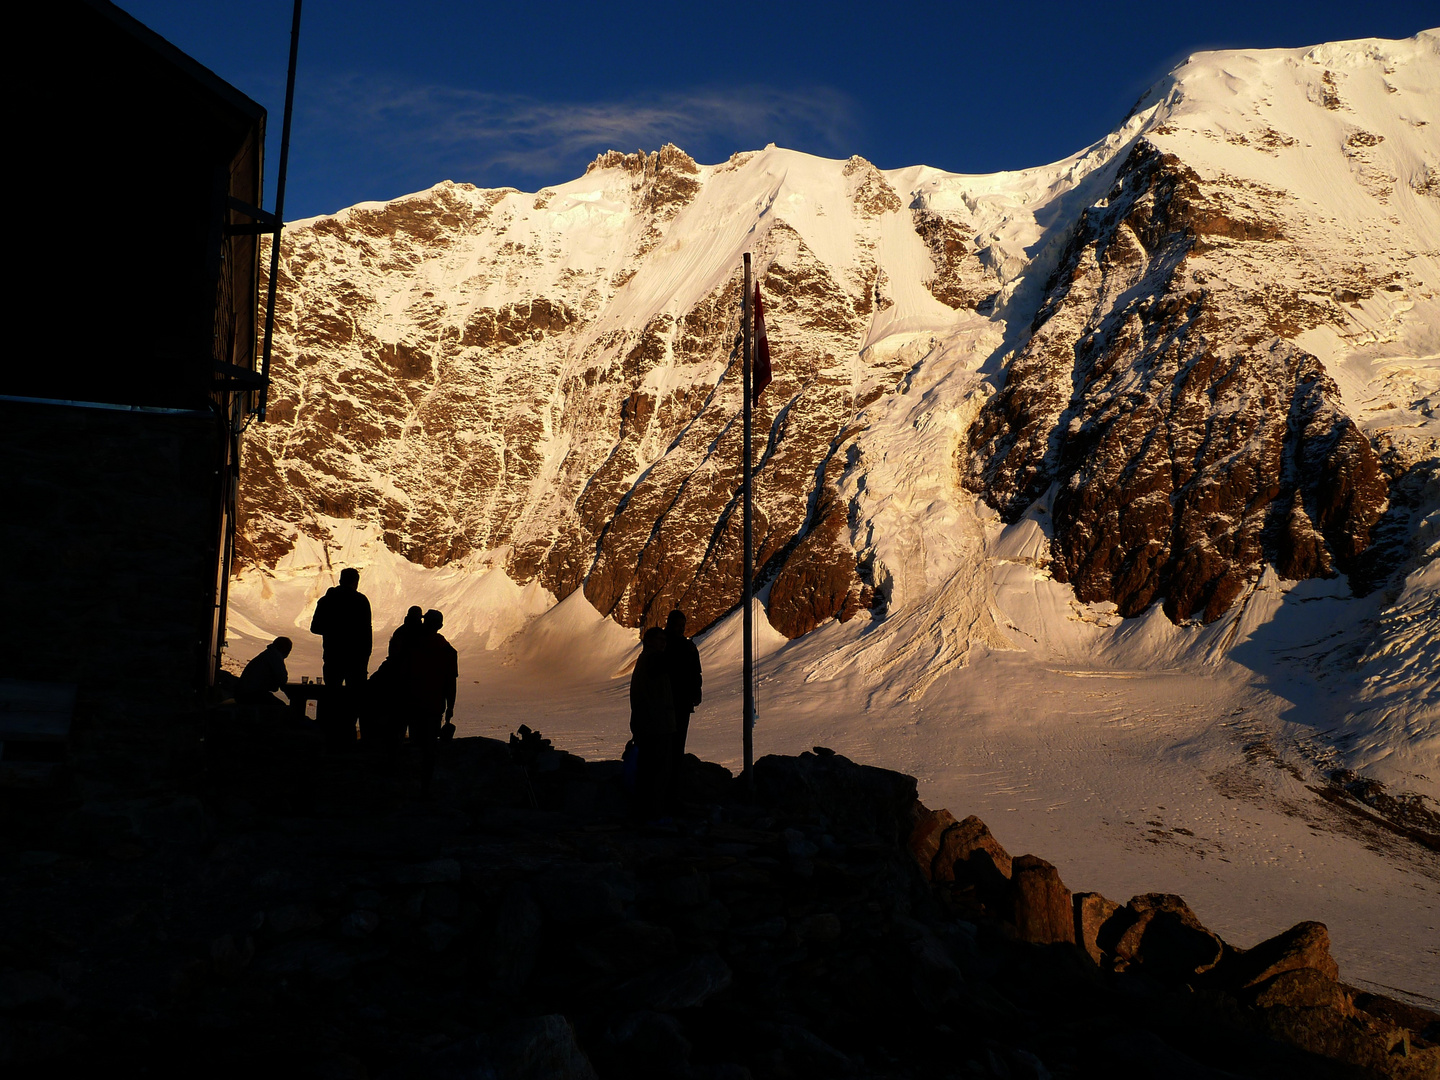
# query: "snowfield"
[[1137, 755]]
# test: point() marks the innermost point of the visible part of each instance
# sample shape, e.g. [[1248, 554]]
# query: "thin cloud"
[[468, 134]]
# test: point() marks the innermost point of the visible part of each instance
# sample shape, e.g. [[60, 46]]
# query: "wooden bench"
[[35, 720]]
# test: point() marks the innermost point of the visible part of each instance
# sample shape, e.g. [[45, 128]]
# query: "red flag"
[[760, 377]]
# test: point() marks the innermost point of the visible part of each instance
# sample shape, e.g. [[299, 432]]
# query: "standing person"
[[390, 693], [652, 723], [435, 669], [342, 619], [406, 635], [683, 660]]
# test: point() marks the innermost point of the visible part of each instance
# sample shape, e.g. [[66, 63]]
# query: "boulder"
[[858, 801], [927, 835], [681, 891], [824, 926], [517, 938], [958, 847], [441, 902], [626, 948], [584, 895], [1159, 932], [1135, 1052], [802, 1052], [536, 1048], [1092, 912], [229, 957], [710, 918], [25, 1042], [648, 1044], [312, 957], [359, 923], [440, 870], [1423, 1022], [173, 821], [1042, 909], [1376, 1046], [290, 917], [1300, 988], [702, 781], [970, 865], [1304, 945], [935, 979], [21, 988], [682, 985]]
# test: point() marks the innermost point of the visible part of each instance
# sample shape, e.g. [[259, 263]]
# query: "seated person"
[[262, 677]]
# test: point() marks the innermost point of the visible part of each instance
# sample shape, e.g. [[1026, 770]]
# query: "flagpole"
[[748, 720]]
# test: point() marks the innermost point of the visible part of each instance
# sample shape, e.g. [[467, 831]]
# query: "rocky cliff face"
[[1190, 440], [1168, 388], [533, 377], [1211, 336]]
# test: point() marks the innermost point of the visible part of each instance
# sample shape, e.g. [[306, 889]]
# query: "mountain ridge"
[[547, 381]]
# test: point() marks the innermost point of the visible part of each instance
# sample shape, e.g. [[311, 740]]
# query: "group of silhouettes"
[[413, 688]]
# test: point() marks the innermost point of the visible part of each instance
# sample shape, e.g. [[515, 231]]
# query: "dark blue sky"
[[393, 97]]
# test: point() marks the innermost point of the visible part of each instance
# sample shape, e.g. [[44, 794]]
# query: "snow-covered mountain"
[[1189, 364], [1122, 472], [1278, 206]]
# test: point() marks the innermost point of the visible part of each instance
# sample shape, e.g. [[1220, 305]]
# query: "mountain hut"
[[130, 375]]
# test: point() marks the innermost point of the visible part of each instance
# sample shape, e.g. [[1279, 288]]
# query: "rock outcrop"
[[1287, 986], [320, 922], [1190, 441], [467, 372], [819, 579], [1041, 903]]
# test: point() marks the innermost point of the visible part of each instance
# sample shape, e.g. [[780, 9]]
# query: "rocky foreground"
[[303, 914]]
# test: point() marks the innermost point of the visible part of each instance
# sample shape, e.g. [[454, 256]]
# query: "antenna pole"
[[749, 588], [279, 214]]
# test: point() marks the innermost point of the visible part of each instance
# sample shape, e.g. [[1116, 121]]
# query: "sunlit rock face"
[[1201, 343], [554, 377], [1233, 363], [1191, 441]]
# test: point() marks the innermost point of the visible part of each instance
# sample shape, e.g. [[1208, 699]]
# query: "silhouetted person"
[[342, 619], [390, 692], [406, 635], [682, 658], [381, 712], [652, 723], [435, 669], [262, 677]]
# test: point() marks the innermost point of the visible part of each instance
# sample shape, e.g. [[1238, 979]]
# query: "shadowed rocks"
[[519, 926], [1304, 946], [818, 581], [1287, 986], [1159, 932], [1092, 911], [1042, 910]]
